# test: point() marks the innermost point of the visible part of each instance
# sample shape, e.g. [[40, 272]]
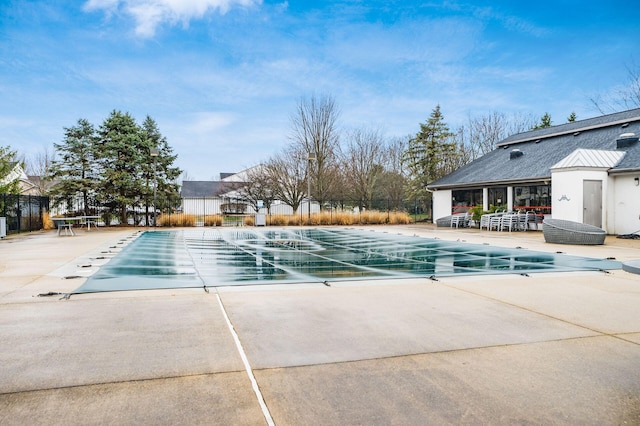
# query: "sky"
[[222, 78]]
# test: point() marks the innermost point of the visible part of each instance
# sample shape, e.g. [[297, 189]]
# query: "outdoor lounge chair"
[[444, 221], [567, 232]]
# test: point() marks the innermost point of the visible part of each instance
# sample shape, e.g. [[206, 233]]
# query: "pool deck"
[[550, 348]]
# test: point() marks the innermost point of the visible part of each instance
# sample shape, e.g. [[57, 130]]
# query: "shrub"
[[325, 218], [343, 218], [177, 220], [373, 217], [278, 220], [399, 218], [294, 220], [213, 220], [47, 223]]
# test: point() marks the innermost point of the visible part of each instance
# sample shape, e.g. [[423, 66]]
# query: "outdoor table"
[[88, 220], [65, 223]]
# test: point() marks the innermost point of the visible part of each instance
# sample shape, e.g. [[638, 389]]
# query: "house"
[[17, 173], [213, 197], [585, 171], [225, 196]]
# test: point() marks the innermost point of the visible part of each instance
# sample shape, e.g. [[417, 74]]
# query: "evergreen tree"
[[115, 165], [122, 154], [74, 171], [431, 154], [7, 165], [159, 172], [545, 121]]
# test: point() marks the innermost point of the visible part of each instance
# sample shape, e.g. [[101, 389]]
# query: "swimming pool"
[[212, 257]]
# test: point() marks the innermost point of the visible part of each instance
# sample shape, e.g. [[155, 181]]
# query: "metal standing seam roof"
[[544, 148], [590, 158]]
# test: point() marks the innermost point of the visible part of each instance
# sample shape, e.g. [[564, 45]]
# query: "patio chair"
[[485, 219], [495, 221], [530, 217], [460, 219], [510, 222]]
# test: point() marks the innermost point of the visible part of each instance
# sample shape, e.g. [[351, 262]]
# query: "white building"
[[587, 171], [218, 197]]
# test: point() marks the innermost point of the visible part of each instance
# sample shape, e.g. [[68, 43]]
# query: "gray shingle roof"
[[207, 188], [545, 147]]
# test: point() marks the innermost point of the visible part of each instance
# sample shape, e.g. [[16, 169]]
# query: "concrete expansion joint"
[[619, 336], [118, 382], [245, 361], [440, 352], [527, 309]]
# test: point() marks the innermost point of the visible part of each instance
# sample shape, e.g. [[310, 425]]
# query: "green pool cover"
[[214, 257]]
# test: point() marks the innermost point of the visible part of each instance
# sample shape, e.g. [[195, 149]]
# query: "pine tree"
[[160, 172], [429, 155], [7, 165], [121, 153], [545, 121], [74, 172]]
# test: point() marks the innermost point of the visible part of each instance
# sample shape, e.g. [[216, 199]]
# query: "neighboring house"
[[212, 197], [25, 185], [38, 186], [586, 171], [225, 196]]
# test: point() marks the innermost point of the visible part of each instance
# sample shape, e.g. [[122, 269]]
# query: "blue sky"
[[222, 77]]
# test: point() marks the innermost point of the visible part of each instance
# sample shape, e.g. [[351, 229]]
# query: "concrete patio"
[[551, 348]]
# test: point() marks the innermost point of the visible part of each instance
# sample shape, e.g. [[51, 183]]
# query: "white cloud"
[[204, 123], [149, 14]]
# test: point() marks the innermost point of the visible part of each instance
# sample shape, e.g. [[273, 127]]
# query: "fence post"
[[388, 211], [30, 212]]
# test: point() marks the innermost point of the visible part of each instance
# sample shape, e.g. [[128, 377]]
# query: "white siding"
[[624, 204], [567, 193], [201, 206], [441, 204]]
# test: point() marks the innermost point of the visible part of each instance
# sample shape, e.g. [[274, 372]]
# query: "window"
[[463, 200], [533, 197], [497, 196]]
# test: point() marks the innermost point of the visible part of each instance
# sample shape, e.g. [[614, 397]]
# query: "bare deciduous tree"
[[286, 173], [627, 96], [314, 132], [481, 134], [362, 163], [390, 186], [259, 188], [37, 167]]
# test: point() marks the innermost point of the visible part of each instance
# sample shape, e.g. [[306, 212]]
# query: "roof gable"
[[590, 158]]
